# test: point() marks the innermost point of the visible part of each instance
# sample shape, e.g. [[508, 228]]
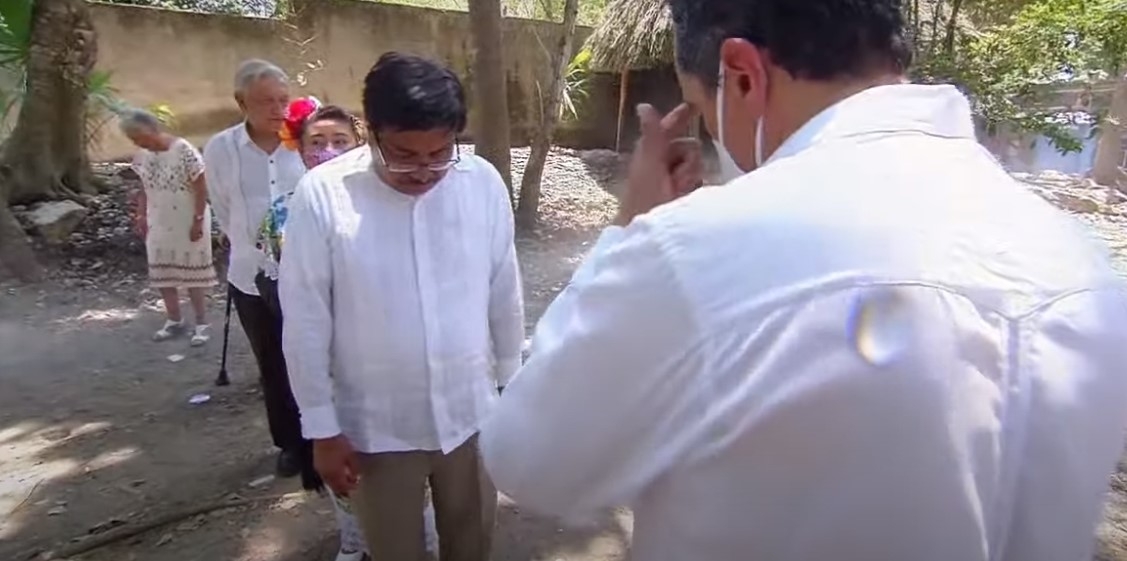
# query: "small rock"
[[264, 480], [1077, 203], [55, 511], [54, 221]]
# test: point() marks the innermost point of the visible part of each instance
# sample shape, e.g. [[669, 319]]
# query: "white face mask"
[[729, 169]]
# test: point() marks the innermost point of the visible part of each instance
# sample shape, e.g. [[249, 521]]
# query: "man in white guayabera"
[[247, 167], [871, 344], [403, 315]]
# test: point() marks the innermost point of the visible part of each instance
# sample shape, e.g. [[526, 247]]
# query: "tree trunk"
[[16, 254], [45, 156], [490, 88], [529, 207], [952, 25], [1109, 151]]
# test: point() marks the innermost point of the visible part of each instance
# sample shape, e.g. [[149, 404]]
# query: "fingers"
[[650, 122], [339, 484], [352, 471], [342, 479], [676, 122], [687, 166], [681, 150]]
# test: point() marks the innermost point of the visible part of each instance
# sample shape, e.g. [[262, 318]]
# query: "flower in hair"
[[298, 111]]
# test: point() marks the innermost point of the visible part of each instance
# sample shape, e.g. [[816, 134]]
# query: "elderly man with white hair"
[[246, 168]]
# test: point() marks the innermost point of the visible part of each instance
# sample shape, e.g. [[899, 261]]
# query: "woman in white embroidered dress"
[[173, 217]]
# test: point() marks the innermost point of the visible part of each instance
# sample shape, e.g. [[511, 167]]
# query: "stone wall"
[[187, 61]]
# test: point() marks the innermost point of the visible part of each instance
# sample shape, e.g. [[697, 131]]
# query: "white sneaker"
[[350, 556], [170, 330], [201, 335]]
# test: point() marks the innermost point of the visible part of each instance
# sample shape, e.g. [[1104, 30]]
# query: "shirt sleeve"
[[218, 192], [555, 318], [137, 164], [191, 159], [584, 424], [305, 290], [506, 301]]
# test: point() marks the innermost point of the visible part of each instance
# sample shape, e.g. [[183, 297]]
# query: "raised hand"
[[666, 164]]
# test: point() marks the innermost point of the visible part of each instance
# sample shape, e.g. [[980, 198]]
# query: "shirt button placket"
[[427, 301], [272, 171]]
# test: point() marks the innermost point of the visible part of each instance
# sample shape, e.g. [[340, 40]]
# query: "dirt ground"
[[97, 432]]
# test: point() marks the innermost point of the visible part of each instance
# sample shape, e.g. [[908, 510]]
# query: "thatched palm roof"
[[638, 34], [634, 35]]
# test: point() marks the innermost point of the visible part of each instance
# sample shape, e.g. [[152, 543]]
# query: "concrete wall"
[[187, 61]]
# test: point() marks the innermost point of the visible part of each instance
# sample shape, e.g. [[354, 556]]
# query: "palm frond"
[[633, 35], [15, 31]]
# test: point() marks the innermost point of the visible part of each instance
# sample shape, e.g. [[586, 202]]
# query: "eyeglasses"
[[436, 167]]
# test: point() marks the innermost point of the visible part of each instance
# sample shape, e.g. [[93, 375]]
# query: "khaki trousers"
[[390, 499]]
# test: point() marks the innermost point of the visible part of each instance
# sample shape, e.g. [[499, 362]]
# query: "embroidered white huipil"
[[413, 304], [877, 347]]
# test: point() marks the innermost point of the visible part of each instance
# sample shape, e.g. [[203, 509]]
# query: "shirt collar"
[[932, 110], [242, 135]]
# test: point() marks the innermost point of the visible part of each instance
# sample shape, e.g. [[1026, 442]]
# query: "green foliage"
[[575, 84], [15, 30], [164, 113], [15, 42], [1005, 53]]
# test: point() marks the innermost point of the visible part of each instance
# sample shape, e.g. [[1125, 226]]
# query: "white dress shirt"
[[877, 347], [242, 180], [413, 304]]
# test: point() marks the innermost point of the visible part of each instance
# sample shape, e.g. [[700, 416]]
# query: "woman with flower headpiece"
[[319, 133]]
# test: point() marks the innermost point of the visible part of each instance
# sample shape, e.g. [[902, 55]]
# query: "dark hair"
[[407, 92], [810, 39], [339, 115]]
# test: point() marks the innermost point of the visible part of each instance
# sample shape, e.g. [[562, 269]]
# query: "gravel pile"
[[574, 195], [1102, 209]]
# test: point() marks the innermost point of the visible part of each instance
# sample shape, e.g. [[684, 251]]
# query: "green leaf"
[[15, 31]]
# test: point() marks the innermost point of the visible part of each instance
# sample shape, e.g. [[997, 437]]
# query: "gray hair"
[[253, 70], [134, 120]]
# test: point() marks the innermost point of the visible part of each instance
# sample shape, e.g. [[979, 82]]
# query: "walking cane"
[[222, 379]]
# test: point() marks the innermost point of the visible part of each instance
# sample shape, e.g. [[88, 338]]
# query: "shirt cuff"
[[506, 369], [318, 423]]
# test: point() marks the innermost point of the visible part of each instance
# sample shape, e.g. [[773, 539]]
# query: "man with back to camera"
[[871, 344], [400, 279]]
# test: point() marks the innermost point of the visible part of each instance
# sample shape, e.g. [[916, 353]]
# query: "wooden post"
[[622, 91]]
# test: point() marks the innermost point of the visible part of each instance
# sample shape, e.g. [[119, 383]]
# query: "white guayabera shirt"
[[412, 304], [878, 347], [242, 180]]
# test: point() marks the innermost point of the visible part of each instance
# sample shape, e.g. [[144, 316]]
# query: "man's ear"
[[239, 102]]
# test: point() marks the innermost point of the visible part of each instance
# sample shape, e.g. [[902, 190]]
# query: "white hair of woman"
[[133, 120], [253, 70]]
